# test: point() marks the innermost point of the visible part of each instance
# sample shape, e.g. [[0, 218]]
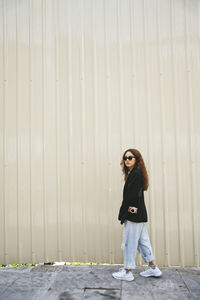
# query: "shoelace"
[[153, 267], [121, 269]]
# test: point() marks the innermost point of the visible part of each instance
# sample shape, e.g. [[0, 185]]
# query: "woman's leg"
[[152, 263], [131, 237], [129, 256], [144, 246]]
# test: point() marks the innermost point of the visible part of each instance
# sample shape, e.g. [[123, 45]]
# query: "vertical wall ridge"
[[70, 153], [57, 120], [30, 134], [163, 159], [43, 15], [190, 135], [148, 128]]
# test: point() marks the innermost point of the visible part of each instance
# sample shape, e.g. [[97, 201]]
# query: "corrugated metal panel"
[[81, 81]]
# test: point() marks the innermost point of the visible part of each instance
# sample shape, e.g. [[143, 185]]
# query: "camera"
[[132, 209]]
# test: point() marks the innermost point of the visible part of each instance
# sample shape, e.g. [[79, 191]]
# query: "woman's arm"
[[130, 195], [131, 192]]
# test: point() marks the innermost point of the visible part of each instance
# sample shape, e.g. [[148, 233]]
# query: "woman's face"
[[129, 163]]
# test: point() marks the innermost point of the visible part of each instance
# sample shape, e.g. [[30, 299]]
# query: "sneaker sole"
[[151, 275], [123, 279]]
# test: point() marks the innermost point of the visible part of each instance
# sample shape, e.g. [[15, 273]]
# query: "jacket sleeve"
[[132, 190], [130, 197]]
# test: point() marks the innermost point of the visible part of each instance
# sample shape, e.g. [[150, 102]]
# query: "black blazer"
[[133, 195]]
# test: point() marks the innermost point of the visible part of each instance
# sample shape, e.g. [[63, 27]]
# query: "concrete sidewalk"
[[96, 283]]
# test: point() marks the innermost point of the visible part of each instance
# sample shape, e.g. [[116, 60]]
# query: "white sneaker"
[[151, 272], [123, 275]]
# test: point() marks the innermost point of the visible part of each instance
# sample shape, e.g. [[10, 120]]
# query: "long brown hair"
[[139, 164]]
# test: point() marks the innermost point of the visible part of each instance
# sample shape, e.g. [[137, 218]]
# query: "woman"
[[134, 216]]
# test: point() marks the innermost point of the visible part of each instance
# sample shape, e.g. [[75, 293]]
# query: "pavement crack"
[[121, 290], [151, 291], [184, 282], [9, 286], [100, 288], [83, 294], [48, 288]]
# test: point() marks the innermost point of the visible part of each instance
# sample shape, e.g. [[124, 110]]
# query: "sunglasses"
[[128, 157]]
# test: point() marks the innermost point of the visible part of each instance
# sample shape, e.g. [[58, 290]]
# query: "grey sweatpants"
[[135, 237]]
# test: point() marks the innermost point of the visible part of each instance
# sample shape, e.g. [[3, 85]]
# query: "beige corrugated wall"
[[82, 81]]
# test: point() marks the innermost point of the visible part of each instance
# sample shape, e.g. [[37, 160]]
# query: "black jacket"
[[133, 195]]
